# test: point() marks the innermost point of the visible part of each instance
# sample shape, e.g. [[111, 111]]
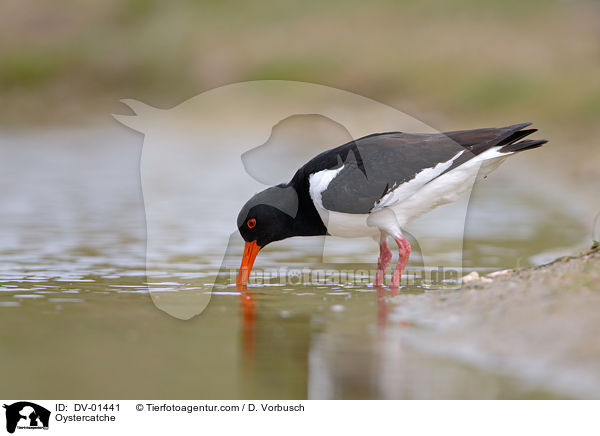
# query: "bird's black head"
[[267, 217]]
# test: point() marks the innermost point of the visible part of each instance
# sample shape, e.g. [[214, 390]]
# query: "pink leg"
[[404, 252], [385, 255]]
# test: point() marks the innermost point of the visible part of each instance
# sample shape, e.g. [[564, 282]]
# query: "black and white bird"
[[374, 186]]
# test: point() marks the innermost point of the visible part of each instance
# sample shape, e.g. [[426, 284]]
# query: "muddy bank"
[[540, 325]]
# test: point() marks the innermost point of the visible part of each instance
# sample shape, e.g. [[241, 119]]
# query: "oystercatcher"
[[374, 186]]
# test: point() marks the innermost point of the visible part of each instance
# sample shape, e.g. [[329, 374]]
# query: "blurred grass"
[[478, 60]]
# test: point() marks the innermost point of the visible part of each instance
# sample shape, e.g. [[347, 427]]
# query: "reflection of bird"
[[373, 187]]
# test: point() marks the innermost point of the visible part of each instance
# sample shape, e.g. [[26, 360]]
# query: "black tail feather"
[[517, 136], [507, 137], [528, 144], [479, 140]]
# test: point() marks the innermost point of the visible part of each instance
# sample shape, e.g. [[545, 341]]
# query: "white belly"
[[347, 225]]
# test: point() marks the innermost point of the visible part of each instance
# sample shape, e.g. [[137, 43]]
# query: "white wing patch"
[[448, 187], [318, 183], [407, 189]]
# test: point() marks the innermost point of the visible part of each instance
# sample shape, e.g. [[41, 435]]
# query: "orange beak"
[[250, 251]]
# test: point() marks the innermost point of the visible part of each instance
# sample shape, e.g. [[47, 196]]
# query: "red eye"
[[251, 223]]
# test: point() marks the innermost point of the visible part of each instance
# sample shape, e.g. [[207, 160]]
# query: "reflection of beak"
[[250, 251]]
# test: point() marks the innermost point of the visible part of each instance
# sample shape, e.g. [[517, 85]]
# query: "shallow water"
[[77, 320]]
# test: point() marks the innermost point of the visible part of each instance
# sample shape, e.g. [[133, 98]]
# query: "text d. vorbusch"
[[277, 408]]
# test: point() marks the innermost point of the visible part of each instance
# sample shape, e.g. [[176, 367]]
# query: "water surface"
[[78, 322]]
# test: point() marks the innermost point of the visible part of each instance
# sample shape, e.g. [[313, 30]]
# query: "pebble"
[[501, 273], [471, 277], [474, 277]]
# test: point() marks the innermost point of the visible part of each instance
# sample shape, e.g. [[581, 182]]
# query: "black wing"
[[375, 165]]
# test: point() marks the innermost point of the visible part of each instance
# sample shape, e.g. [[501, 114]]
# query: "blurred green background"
[[454, 64]]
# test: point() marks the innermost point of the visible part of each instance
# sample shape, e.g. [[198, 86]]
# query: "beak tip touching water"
[[251, 249]]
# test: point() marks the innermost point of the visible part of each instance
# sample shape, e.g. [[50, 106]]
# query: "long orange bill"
[[250, 251]]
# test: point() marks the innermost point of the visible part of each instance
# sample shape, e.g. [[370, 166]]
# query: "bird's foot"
[[385, 256], [404, 253]]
